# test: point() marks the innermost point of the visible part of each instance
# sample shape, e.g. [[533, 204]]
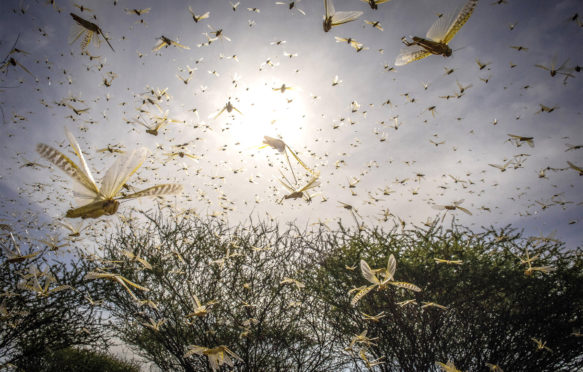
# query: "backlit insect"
[[437, 38], [75, 230], [452, 207], [117, 278], [217, 355], [16, 256], [98, 201], [197, 18], [291, 5], [333, 18], [554, 70], [518, 140], [388, 278], [165, 42], [283, 148], [90, 30], [229, 107], [299, 193], [449, 367], [374, 3]]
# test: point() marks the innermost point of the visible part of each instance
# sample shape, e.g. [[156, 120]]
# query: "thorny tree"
[[43, 308], [494, 297], [208, 285]]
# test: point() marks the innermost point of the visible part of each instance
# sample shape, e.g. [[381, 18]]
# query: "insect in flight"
[[374, 3], [437, 38], [228, 106], [388, 278], [96, 202], [333, 18], [89, 29]]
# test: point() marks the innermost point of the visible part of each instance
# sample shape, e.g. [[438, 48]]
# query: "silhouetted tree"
[[43, 307], [72, 359], [496, 305], [243, 275]]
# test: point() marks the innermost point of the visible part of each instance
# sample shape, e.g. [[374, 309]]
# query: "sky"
[[374, 129]]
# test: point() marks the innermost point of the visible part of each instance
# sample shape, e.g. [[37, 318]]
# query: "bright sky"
[[408, 158]]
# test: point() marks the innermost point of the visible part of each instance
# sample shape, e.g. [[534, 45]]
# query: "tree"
[[42, 304], [204, 284], [508, 300], [72, 359]]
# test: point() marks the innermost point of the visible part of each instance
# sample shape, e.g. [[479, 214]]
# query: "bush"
[[80, 360], [279, 298]]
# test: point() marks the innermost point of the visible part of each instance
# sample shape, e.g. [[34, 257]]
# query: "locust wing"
[[360, 294], [391, 267], [159, 46], [77, 149], [76, 31], [195, 349], [84, 188], [406, 285], [411, 54], [329, 8], [445, 28], [313, 182], [344, 17], [121, 171], [158, 190], [367, 273]]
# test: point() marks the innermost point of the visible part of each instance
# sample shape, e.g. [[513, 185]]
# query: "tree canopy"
[[283, 298]]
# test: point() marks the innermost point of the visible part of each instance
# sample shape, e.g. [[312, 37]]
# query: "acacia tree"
[[512, 301], [244, 281], [42, 304]]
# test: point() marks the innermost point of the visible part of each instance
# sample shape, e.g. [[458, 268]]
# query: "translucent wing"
[[286, 185], [76, 31], [121, 171], [86, 186], [159, 46], [184, 46], [232, 354], [214, 116], [166, 189], [77, 149], [194, 349], [405, 285], [86, 40], [300, 161], [329, 8], [460, 20], [439, 29], [213, 361], [361, 294], [311, 184], [411, 54], [344, 17], [445, 28], [391, 267], [367, 273], [464, 210], [382, 1]]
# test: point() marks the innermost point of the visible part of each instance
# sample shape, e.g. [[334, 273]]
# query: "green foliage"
[[42, 304], [507, 292], [493, 308], [87, 361], [237, 273]]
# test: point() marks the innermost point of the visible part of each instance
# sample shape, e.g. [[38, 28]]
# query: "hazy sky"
[[234, 176]]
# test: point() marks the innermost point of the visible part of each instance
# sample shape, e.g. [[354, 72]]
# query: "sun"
[[269, 112]]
